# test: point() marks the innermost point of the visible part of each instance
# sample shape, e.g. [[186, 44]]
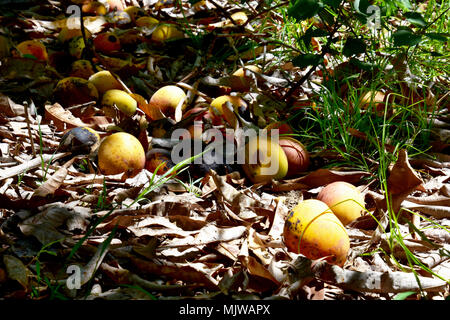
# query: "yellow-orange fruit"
[[67, 34], [94, 7], [134, 12], [217, 105], [82, 69], [73, 90], [33, 48], [107, 42], [121, 99], [104, 81], [264, 160], [164, 102], [76, 47], [344, 199], [146, 22], [241, 71], [313, 230], [166, 32], [121, 152], [297, 155]]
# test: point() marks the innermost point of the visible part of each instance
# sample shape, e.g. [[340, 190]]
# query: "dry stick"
[[25, 106], [36, 162]]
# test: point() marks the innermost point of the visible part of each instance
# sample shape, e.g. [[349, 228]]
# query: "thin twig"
[[27, 116]]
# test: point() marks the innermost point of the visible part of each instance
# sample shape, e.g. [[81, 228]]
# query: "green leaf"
[[313, 32], [437, 36], [307, 59], [354, 46], [403, 295], [303, 9], [416, 19], [405, 37]]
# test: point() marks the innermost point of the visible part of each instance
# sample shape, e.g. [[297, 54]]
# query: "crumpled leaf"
[[16, 270], [63, 118], [189, 272], [402, 181], [54, 181], [318, 178], [44, 225]]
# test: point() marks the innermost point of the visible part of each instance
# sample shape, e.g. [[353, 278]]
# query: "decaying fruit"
[[76, 47], [297, 155], [217, 109], [344, 199], [146, 22], [94, 8], [104, 81], [33, 48], [313, 230], [164, 102], [166, 32], [73, 90], [80, 140], [121, 152], [282, 127], [134, 12], [121, 99], [159, 162], [67, 34], [241, 72], [264, 160], [107, 42], [82, 69]]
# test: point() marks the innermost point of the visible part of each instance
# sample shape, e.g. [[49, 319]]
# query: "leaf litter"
[[176, 244]]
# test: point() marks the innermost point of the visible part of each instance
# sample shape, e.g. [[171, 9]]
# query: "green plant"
[[42, 279]]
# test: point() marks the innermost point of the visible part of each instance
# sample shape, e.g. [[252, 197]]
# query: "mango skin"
[[121, 99], [265, 153], [297, 155], [73, 90], [340, 196], [216, 109], [164, 101], [34, 48], [166, 32], [121, 152], [313, 230], [104, 81]]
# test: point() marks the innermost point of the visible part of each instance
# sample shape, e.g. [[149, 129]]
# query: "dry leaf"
[[62, 118], [16, 270]]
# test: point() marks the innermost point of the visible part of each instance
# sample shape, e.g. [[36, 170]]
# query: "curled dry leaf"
[[402, 181], [62, 118], [54, 181], [319, 178]]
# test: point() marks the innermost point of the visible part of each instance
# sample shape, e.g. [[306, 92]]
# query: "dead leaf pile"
[[219, 238]]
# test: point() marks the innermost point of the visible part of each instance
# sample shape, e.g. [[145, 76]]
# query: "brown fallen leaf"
[[16, 270], [318, 178], [402, 181], [192, 273], [62, 118], [54, 181]]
